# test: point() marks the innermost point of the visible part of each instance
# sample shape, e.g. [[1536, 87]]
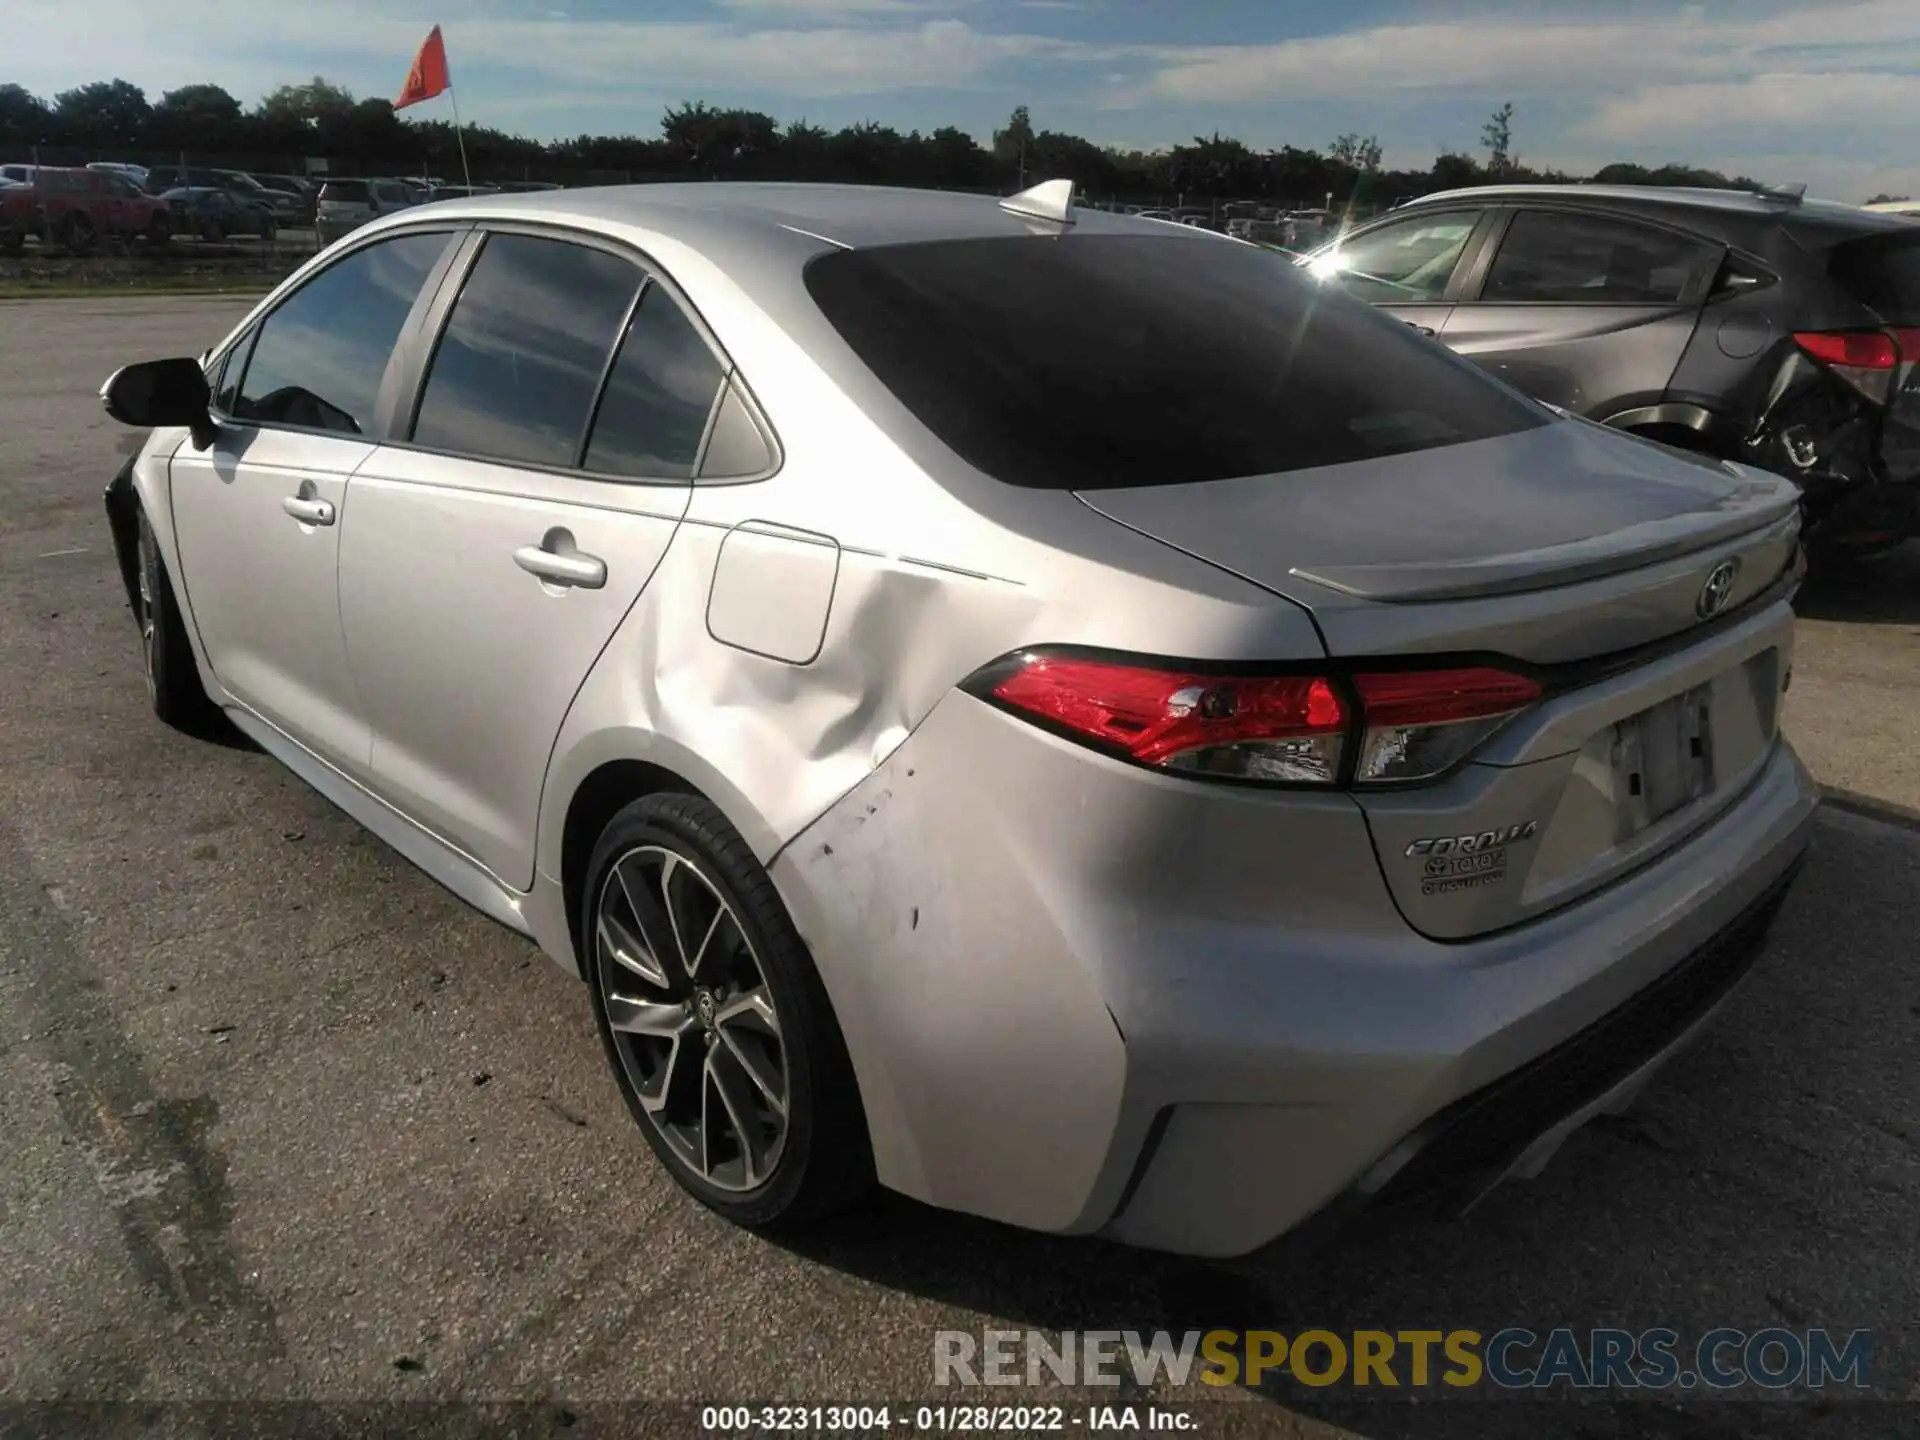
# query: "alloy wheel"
[[149, 627], [693, 1020]]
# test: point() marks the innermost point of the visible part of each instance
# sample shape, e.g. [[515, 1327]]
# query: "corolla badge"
[[1717, 590]]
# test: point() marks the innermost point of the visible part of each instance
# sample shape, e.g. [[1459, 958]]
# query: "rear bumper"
[[1086, 998], [1578, 1011], [1513, 1125]]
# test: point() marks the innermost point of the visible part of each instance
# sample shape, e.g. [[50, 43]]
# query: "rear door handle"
[[308, 510], [589, 572], [1423, 329]]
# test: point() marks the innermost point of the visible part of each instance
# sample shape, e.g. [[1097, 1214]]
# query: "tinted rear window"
[[344, 190], [1100, 361], [1883, 273]]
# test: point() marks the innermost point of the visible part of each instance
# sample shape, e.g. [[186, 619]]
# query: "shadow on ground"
[[1877, 590]]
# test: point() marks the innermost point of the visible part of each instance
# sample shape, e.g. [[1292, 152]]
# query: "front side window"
[[1590, 259], [1091, 362], [319, 357], [658, 397], [520, 361], [1407, 262]]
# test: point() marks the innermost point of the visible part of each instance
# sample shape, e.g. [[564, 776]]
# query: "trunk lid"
[[1549, 545], [1617, 573]]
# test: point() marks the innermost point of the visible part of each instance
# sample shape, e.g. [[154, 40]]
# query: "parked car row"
[[347, 204], [212, 203]]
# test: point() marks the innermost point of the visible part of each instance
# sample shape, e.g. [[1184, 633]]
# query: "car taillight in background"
[[1868, 360], [1277, 729]]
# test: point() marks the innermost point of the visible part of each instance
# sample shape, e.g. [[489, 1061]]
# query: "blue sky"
[[1826, 91]]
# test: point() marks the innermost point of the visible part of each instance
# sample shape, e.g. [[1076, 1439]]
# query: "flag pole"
[[459, 135]]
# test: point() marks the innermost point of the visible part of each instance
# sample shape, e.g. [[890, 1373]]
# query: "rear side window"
[[318, 359], [1882, 272], [1405, 261], [658, 395], [1100, 361], [1589, 259], [520, 361]]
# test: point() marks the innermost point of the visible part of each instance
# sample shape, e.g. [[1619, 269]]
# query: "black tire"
[[12, 242], [173, 676], [78, 234], [159, 232], [824, 1161]]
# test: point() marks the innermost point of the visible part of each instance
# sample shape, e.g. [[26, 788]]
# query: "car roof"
[[1752, 204], [841, 216]]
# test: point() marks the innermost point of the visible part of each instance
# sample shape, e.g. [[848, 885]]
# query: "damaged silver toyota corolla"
[[1048, 711]]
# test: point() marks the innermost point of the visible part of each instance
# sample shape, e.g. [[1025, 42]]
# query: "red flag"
[[429, 76]]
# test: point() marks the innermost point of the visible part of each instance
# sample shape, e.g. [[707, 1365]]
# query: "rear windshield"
[[344, 190], [1882, 272], [1103, 361]]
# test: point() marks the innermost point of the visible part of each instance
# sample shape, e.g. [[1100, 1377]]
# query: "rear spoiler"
[[1763, 501]]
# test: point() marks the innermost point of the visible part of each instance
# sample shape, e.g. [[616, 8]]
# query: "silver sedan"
[[1042, 709]]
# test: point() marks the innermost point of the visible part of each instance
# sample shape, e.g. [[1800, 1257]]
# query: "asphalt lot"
[[283, 1121]]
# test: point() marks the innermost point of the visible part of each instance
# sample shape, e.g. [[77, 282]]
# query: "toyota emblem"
[[1717, 590]]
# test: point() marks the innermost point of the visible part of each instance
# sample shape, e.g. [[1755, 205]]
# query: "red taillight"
[[1410, 725], [1866, 359], [1275, 728], [1421, 722], [1854, 349]]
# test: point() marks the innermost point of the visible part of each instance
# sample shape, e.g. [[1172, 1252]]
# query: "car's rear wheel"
[[12, 242], [714, 1020], [166, 655], [159, 232]]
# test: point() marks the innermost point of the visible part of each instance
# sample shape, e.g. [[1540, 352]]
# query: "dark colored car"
[[213, 213], [1750, 326]]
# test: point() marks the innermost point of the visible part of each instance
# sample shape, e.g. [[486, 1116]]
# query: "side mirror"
[[158, 393]]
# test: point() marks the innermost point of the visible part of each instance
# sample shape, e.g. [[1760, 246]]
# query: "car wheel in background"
[[166, 655], [718, 1029], [78, 234], [12, 242], [159, 231]]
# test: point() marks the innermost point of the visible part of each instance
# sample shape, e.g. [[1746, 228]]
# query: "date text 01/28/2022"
[[939, 1419]]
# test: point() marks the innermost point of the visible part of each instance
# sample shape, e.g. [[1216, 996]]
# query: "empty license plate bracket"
[[1662, 760]]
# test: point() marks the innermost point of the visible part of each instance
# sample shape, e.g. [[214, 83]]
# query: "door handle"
[[1423, 329], [308, 510], [589, 572]]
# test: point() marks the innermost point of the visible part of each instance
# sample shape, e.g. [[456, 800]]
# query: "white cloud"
[[844, 60], [1503, 54], [1823, 99], [840, 7]]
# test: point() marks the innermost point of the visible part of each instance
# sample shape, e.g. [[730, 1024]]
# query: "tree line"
[[113, 119]]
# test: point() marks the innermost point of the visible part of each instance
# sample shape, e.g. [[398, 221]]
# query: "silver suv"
[[346, 205]]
